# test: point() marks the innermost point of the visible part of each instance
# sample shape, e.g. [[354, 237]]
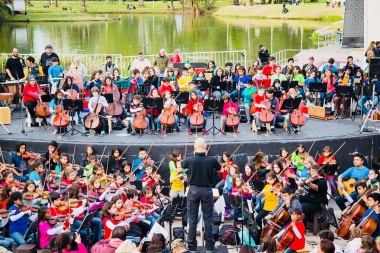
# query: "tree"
[[83, 8], [5, 8]]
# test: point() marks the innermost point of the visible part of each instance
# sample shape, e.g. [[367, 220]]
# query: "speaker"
[[5, 115], [374, 68]]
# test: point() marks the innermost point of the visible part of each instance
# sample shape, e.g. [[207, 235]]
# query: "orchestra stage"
[[319, 132]]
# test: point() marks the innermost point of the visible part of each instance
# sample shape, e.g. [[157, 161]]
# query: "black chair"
[[29, 248], [33, 229], [87, 224]]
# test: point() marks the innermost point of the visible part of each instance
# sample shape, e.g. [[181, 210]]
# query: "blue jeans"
[[6, 242], [218, 94], [364, 99], [83, 232], [204, 123], [152, 219], [247, 113], [323, 96], [289, 250], [340, 202], [175, 122], [236, 214], [234, 95], [97, 228], [24, 178], [200, 195], [19, 238], [301, 92]]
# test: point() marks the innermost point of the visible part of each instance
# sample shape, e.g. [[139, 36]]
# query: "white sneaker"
[[55, 131]]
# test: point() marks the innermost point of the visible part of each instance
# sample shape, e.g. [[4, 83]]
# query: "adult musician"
[[14, 66], [30, 96], [240, 81], [316, 187], [77, 67], [229, 107], [109, 66], [169, 102], [66, 89], [218, 84], [200, 170], [94, 102], [46, 59], [350, 64], [357, 172]]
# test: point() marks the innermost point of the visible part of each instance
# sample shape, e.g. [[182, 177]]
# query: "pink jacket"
[[81, 249], [106, 246]]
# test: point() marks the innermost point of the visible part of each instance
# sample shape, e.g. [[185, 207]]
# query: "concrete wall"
[[353, 36], [371, 21]]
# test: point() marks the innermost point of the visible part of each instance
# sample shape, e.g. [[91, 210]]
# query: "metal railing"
[[330, 39], [95, 62], [283, 55]]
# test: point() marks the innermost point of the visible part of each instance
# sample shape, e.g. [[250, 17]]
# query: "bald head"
[[200, 145]]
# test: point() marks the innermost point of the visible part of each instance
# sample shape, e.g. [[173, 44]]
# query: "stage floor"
[[313, 130]]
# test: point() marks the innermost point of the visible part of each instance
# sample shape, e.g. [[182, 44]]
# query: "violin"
[[232, 119], [303, 155], [252, 109], [60, 217], [276, 188], [17, 183], [196, 119], [33, 208], [71, 203], [297, 118], [4, 213], [31, 155], [93, 121], [140, 123], [27, 196], [122, 214], [148, 160], [157, 177], [55, 156], [61, 119]]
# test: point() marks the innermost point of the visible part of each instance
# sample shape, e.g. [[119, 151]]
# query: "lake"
[[148, 33]]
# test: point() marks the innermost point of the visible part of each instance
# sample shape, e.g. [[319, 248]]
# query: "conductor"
[[199, 176]]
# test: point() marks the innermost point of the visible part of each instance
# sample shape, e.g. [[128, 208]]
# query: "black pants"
[[260, 217], [31, 107], [309, 210], [195, 196]]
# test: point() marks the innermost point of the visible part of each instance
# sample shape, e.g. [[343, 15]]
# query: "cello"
[[61, 118], [140, 122], [196, 119], [73, 94], [232, 119], [115, 109], [42, 108], [297, 118], [352, 216], [368, 224], [287, 237], [168, 119], [266, 116], [93, 121]]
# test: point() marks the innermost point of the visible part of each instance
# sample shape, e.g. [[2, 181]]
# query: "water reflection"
[[149, 33]]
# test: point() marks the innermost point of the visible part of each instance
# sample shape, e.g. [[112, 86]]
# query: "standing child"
[[177, 180]]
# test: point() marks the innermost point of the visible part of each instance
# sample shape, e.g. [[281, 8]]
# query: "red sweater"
[[107, 230], [164, 88], [258, 100], [226, 108], [269, 70], [30, 93], [298, 243], [191, 103]]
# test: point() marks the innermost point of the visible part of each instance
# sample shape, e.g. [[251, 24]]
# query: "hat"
[[30, 77], [178, 242], [48, 46]]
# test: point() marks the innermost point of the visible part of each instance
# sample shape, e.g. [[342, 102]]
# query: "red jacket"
[[164, 88], [298, 243], [269, 70], [30, 93], [191, 103]]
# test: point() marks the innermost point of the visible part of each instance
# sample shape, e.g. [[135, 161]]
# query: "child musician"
[[18, 219], [147, 199], [325, 160], [177, 180], [147, 179], [168, 104], [238, 191], [260, 97], [56, 101], [153, 113], [229, 107], [109, 211], [94, 103], [135, 107], [195, 103], [287, 198], [109, 88], [299, 230]]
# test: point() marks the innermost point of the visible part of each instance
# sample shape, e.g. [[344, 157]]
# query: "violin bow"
[[187, 141], [311, 147], [125, 150], [333, 154], [209, 146], [2, 156], [104, 150], [74, 154], [151, 145], [108, 159], [158, 167]]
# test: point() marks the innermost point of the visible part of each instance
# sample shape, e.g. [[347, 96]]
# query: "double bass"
[[42, 108], [93, 120], [61, 118], [115, 108]]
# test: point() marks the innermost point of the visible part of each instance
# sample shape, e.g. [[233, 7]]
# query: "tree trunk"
[[172, 5], [120, 1], [141, 2], [56, 3], [83, 9]]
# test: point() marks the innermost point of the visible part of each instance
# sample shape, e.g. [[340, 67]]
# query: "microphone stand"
[[370, 112], [21, 116]]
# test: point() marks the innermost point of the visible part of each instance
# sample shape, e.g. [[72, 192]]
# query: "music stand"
[[290, 104], [168, 215], [72, 106], [293, 84], [373, 107], [153, 103], [142, 89], [285, 85], [109, 98], [214, 105], [317, 87], [277, 94], [237, 203], [344, 91], [182, 98]]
